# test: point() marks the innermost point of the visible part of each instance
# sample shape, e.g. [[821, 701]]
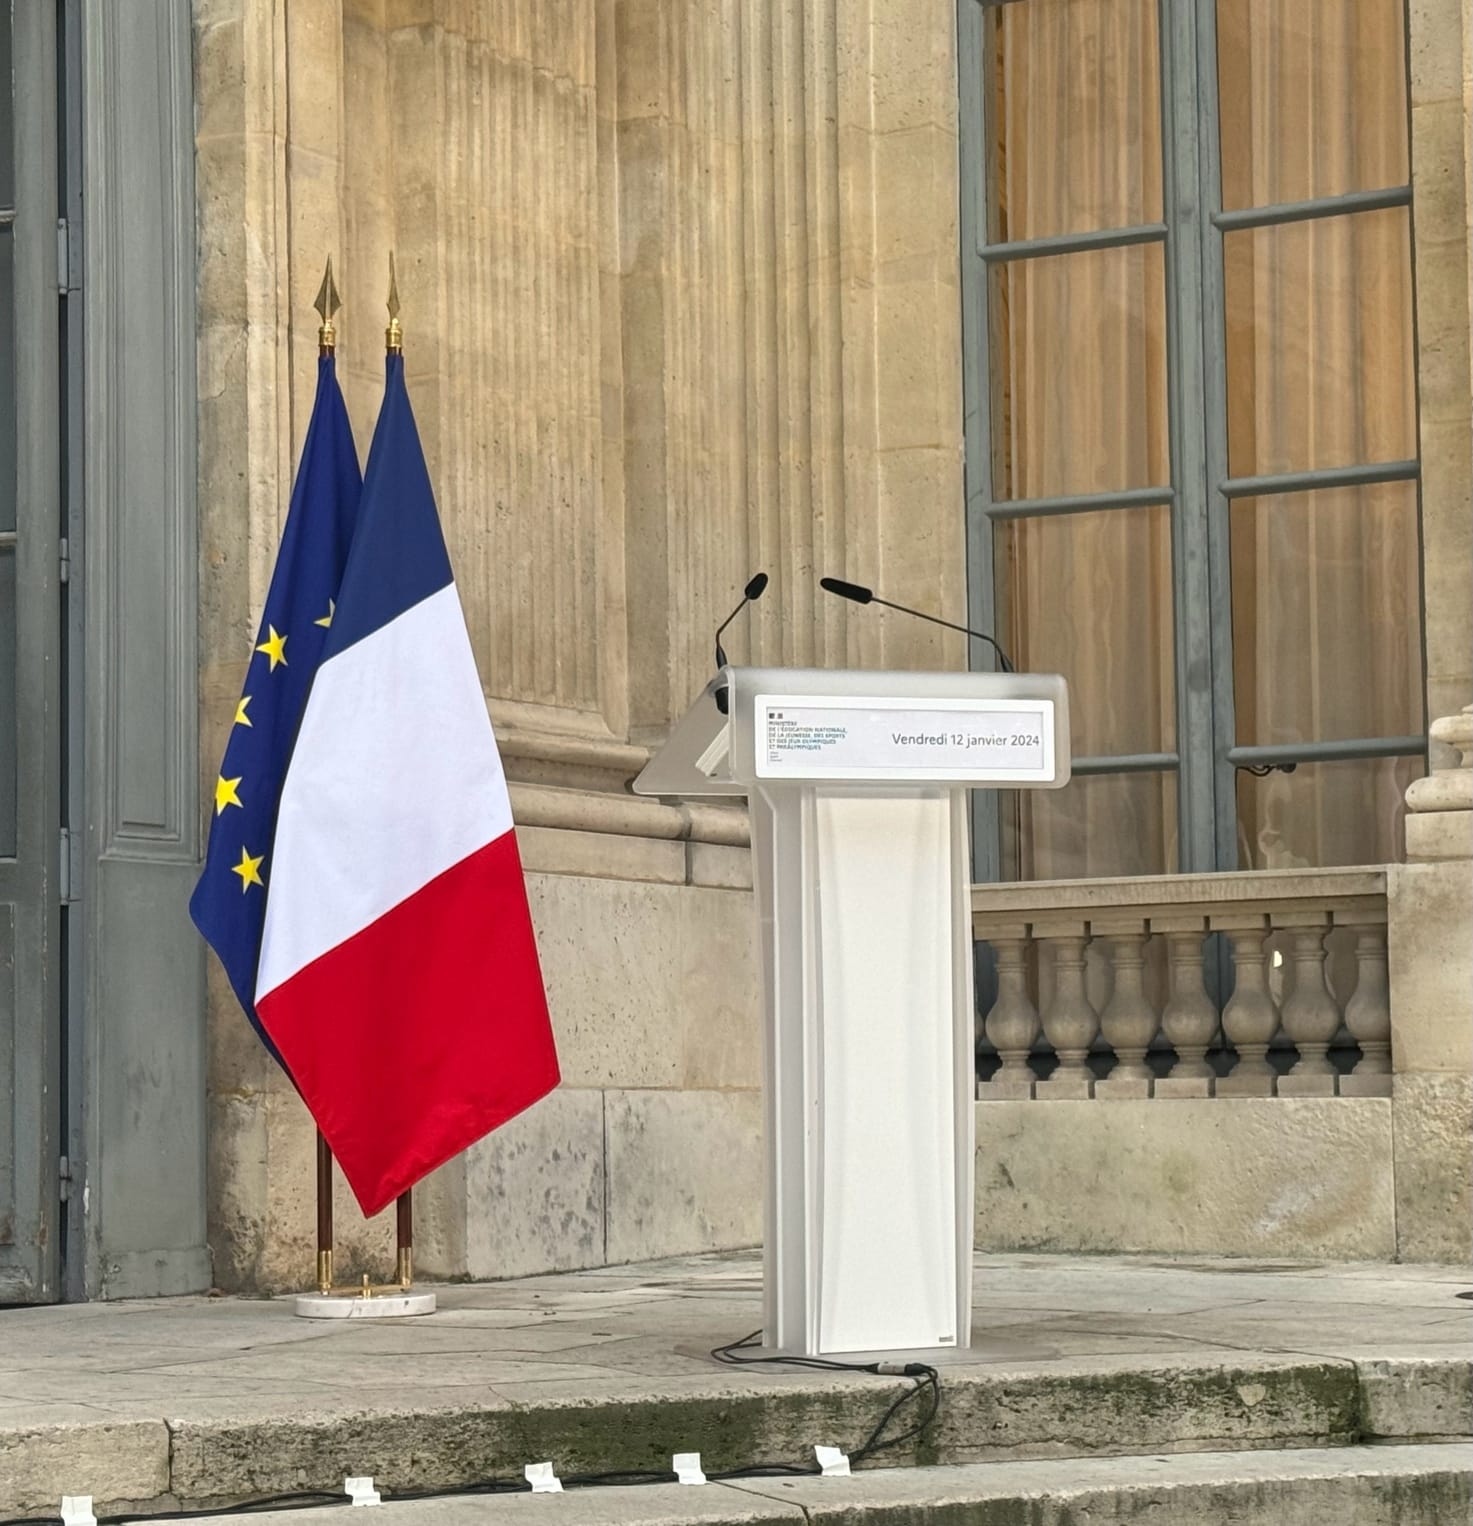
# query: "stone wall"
[[679, 285]]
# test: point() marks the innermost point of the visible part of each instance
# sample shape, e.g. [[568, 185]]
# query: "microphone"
[[750, 593], [857, 593]]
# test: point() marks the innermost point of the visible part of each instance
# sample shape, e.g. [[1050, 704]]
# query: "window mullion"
[[1186, 132], [977, 394], [1214, 413]]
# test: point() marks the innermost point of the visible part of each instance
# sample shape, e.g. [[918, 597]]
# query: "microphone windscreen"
[[856, 591], [755, 588]]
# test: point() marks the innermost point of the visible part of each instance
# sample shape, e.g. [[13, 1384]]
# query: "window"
[[1191, 423]]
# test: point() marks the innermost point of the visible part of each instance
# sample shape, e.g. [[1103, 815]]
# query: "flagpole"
[[405, 1211], [368, 1301], [327, 305], [394, 334], [324, 1215]]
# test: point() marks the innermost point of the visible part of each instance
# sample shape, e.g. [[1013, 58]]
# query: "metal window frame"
[[1192, 230]]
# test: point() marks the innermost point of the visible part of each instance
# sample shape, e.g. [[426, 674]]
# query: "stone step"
[[1417, 1485], [220, 1452]]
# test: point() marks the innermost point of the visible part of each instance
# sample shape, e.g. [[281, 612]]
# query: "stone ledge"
[[1079, 1407], [1259, 890], [123, 1462], [1353, 1486], [595, 811], [1416, 1396]]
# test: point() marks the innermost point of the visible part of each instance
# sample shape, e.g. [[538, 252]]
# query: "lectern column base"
[[868, 1069]]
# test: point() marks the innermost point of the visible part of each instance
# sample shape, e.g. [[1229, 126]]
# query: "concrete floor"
[[647, 1325], [203, 1398]]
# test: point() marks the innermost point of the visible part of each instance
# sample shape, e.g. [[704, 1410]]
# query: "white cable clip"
[[833, 1462], [361, 1491], [687, 1467], [76, 1510], [542, 1479]]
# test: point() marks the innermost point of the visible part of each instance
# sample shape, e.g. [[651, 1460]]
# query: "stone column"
[[1441, 34], [1429, 908]]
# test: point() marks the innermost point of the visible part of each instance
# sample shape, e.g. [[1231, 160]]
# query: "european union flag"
[[229, 902]]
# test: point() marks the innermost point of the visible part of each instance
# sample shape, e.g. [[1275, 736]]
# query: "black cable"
[[926, 1380], [730, 1357], [303, 1499]]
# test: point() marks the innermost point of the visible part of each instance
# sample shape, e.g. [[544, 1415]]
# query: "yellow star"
[[249, 870], [332, 609], [241, 718], [225, 793], [274, 647]]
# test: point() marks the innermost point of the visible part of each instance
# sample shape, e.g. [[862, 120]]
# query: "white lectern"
[[858, 786]]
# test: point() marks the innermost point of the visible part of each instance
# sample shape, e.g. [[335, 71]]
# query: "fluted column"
[[1129, 1021], [1368, 1016], [1310, 1016], [1069, 1021], [1250, 1019], [1012, 1022], [1189, 1019]]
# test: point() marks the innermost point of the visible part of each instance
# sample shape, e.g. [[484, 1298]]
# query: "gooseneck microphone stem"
[[721, 655], [857, 593], [756, 585], [950, 625]]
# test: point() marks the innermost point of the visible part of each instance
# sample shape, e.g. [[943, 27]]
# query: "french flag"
[[398, 974]]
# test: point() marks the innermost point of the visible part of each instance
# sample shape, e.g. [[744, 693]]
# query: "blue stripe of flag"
[[398, 557], [229, 902]]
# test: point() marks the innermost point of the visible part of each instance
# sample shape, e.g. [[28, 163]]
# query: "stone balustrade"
[[1215, 985]]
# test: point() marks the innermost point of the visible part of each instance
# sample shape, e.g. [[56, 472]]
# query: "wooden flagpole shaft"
[[405, 1212], [324, 1216]]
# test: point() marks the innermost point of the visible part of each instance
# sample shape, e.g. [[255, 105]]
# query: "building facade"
[[1136, 332]]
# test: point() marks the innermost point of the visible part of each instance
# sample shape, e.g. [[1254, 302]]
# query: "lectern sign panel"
[[1002, 741]]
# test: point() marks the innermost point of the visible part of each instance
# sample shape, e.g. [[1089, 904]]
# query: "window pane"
[[1076, 117], [8, 717], [1079, 383], [1319, 355], [1325, 814], [1312, 98], [1089, 596], [1327, 623], [7, 114], [7, 379], [1098, 824]]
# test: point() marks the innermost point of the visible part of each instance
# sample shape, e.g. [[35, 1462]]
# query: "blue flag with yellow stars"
[[229, 902]]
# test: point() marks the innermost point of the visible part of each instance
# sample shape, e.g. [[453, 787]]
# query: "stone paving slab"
[[232, 1397], [1351, 1486]]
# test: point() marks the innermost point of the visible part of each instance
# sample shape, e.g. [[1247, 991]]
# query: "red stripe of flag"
[[435, 1011]]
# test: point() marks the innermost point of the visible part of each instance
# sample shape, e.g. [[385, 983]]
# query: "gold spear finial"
[[393, 335], [327, 304]]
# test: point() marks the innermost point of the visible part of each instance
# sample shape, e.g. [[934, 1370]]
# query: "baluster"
[[1250, 1019], [1012, 1023], [1129, 1021], [1311, 1017], [1069, 1022], [1189, 1019], [1368, 1016]]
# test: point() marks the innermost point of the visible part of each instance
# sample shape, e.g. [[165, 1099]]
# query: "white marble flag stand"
[[857, 783]]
